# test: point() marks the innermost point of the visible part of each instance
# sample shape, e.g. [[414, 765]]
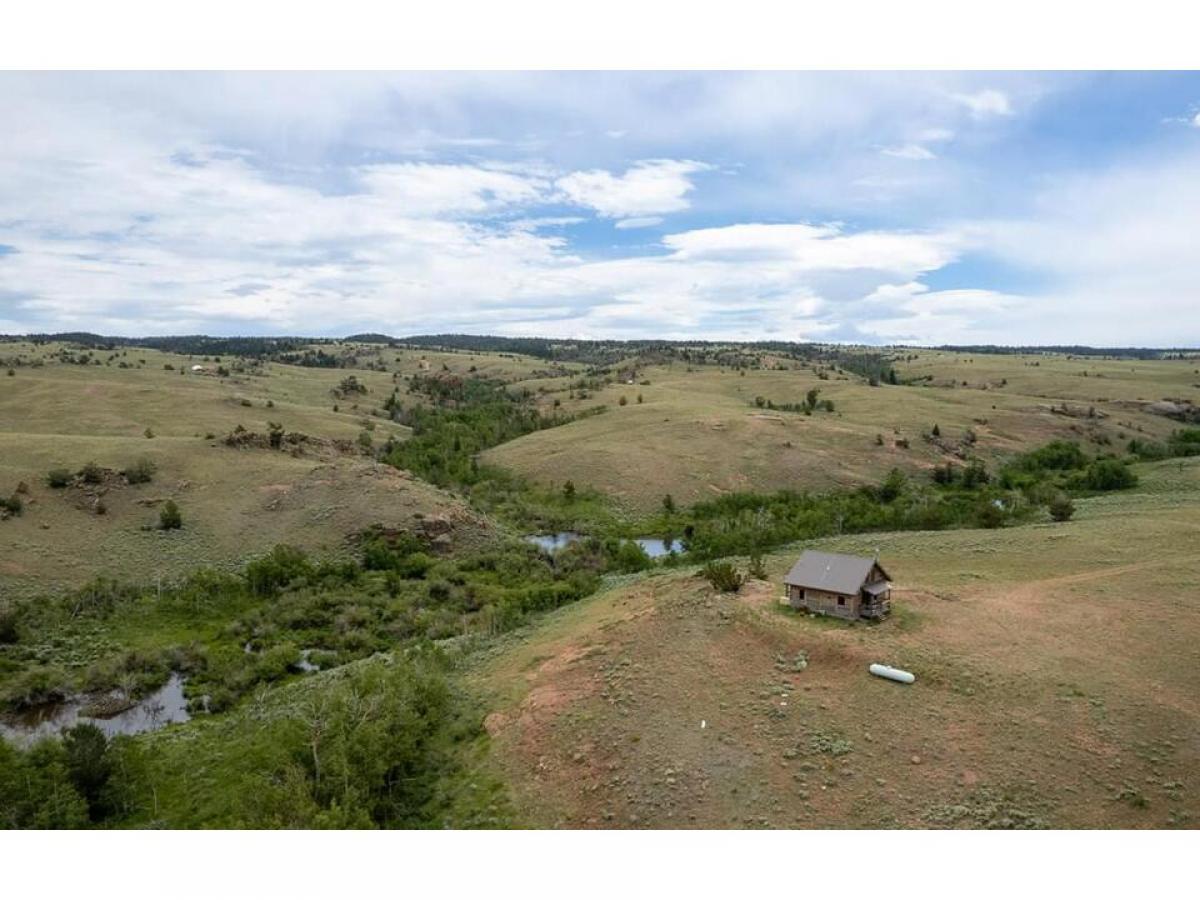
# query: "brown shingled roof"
[[835, 572]]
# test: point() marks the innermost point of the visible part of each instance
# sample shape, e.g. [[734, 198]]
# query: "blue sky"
[[877, 207]]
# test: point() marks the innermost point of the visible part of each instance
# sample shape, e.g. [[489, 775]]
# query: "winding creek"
[[168, 704], [164, 706], [552, 543]]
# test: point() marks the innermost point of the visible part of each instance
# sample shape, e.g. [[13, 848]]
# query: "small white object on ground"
[[892, 674], [703, 723]]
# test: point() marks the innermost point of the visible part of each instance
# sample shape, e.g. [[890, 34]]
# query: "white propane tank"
[[892, 674]]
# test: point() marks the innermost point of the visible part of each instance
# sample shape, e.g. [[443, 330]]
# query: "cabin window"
[[841, 601]]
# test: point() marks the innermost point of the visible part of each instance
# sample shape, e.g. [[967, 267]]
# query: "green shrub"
[[34, 687], [383, 552], [1061, 508], [169, 517], [12, 616], [1056, 455], [141, 472], [13, 505], [372, 752], [723, 576], [89, 766], [414, 565], [58, 478], [990, 514], [275, 662], [91, 473], [756, 568], [279, 568], [628, 556], [1184, 442], [36, 789], [893, 486], [100, 596], [975, 475], [1108, 475]]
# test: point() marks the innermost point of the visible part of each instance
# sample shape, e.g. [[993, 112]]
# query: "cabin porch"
[[875, 601]]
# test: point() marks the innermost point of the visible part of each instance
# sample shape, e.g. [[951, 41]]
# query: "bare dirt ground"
[[1049, 700]]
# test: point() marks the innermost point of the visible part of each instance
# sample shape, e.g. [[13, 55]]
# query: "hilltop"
[[1055, 687]]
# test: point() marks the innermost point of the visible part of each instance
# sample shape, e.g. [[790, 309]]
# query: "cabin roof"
[[836, 572]]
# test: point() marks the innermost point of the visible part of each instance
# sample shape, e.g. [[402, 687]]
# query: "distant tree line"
[[1076, 350]]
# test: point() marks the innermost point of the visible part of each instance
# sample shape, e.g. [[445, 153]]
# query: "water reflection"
[[164, 706], [654, 547]]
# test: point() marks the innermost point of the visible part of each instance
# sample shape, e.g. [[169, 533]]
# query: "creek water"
[[654, 547], [164, 706], [553, 542]]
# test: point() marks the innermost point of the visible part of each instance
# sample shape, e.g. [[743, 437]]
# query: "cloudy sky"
[[875, 207]]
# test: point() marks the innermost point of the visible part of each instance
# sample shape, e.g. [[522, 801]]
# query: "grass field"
[[236, 503], [1056, 686], [1056, 663], [699, 432]]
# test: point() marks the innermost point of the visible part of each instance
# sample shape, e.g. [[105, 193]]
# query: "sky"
[[868, 207]]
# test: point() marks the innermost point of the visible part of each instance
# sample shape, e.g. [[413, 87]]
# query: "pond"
[[553, 542], [654, 547], [164, 706]]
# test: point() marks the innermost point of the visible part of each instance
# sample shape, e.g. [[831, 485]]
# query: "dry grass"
[[235, 503], [699, 433]]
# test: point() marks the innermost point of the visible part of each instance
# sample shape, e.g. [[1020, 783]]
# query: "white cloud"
[[911, 313], [1119, 249], [421, 189], [988, 102], [1196, 120], [647, 188], [345, 212], [909, 151], [639, 222], [817, 247], [935, 135]]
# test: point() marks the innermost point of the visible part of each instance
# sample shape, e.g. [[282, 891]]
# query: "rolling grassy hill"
[[237, 502], [1055, 662], [699, 432]]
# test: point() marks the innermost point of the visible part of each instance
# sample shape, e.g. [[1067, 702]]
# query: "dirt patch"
[[761, 595], [682, 707]]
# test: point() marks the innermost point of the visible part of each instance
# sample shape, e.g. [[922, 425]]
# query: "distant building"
[[834, 584]]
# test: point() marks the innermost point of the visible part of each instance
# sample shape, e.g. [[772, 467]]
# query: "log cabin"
[[835, 584]]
